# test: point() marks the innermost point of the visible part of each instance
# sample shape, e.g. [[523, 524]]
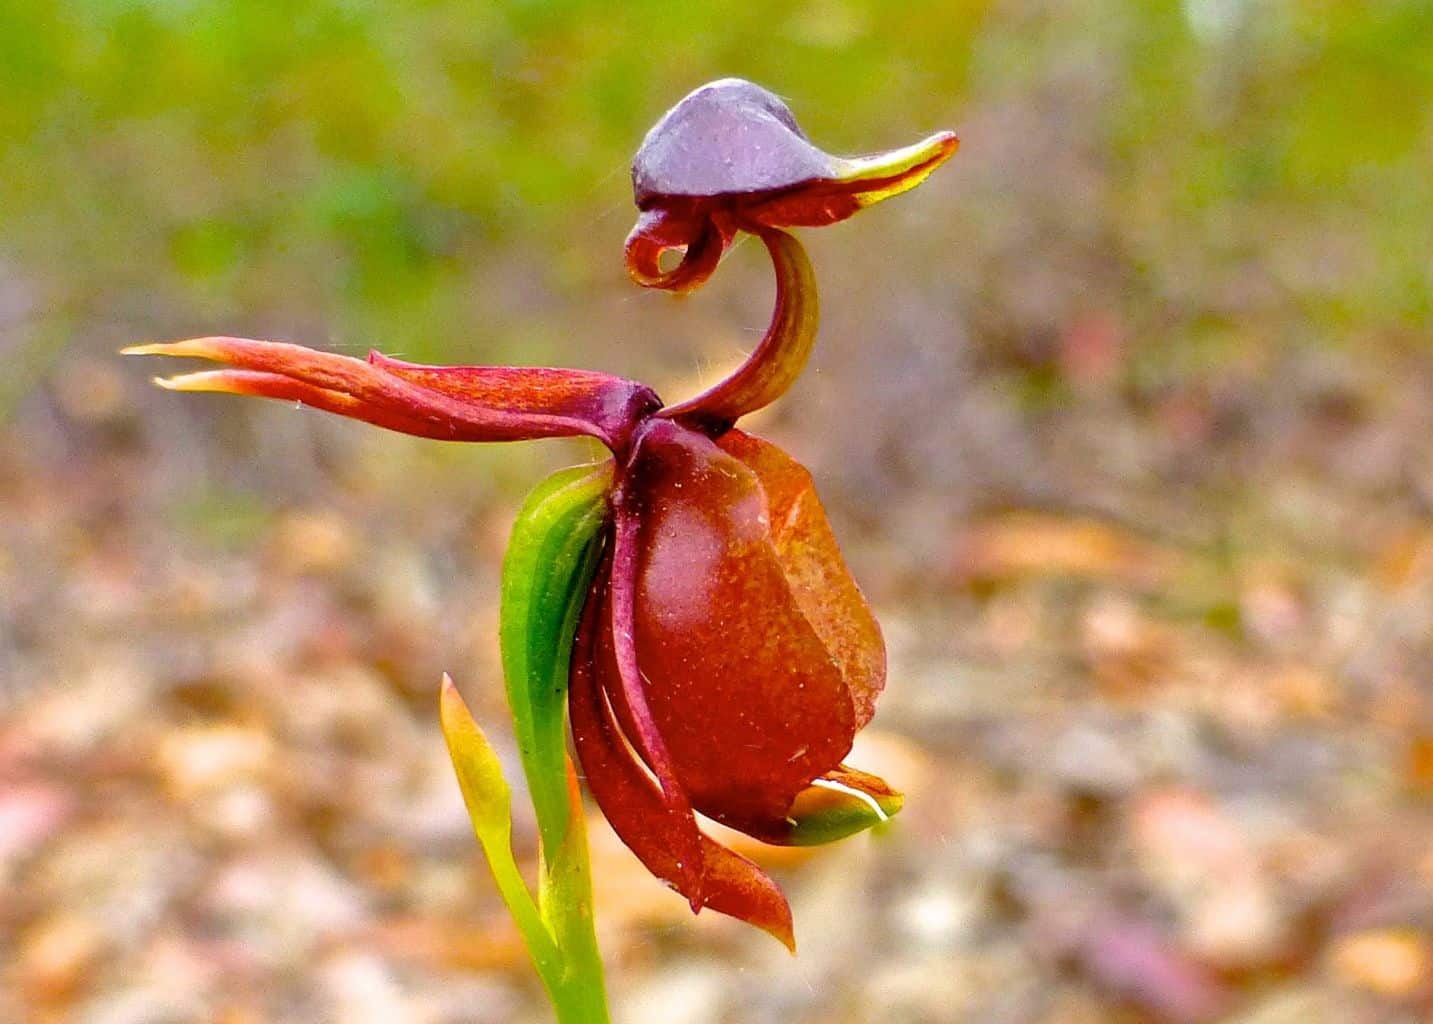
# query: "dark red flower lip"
[[730, 157], [732, 138]]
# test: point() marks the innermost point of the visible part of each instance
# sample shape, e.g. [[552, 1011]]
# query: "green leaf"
[[551, 558], [553, 553], [480, 773], [489, 803]]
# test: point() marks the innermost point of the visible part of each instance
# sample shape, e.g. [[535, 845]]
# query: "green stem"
[[547, 957], [565, 896]]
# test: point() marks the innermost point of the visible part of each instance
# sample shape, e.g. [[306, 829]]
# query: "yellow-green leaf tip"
[[480, 773]]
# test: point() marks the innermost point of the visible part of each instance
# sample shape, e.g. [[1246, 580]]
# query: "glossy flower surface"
[[730, 157], [725, 657]]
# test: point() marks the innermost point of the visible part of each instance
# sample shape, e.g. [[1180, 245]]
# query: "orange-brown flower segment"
[[724, 658], [811, 561]]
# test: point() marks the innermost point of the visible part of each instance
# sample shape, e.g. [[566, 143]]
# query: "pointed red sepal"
[[662, 838], [460, 403]]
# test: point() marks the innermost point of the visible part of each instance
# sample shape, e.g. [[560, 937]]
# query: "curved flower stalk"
[[722, 658]]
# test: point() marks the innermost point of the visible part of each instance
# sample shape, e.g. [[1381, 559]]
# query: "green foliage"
[[552, 557], [362, 161], [550, 562], [364, 171]]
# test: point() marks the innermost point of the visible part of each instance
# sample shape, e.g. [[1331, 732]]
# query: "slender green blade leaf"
[[489, 803], [552, 555]]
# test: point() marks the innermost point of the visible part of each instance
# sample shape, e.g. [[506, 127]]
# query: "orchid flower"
[[722, 657]]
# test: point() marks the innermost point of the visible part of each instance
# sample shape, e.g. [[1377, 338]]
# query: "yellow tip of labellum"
[[900, 170]]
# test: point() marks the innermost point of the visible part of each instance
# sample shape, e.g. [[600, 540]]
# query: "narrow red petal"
[[627, 685], [258, 384], [460, 404], [611, 405], [632, 803]]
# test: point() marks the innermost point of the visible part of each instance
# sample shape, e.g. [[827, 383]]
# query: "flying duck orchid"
[[721, 657]]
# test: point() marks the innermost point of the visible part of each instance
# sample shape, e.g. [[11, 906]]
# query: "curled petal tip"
[[194, 348], [205, 380], [658, 231], [840, 804], [884, 175]]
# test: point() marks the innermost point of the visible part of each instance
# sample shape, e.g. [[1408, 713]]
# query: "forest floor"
[[1167, 746]]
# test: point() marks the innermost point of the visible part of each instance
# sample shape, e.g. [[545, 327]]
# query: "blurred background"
[[1125, 420]]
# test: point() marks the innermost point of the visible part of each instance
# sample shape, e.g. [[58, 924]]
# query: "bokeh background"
[[1125, 420]]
